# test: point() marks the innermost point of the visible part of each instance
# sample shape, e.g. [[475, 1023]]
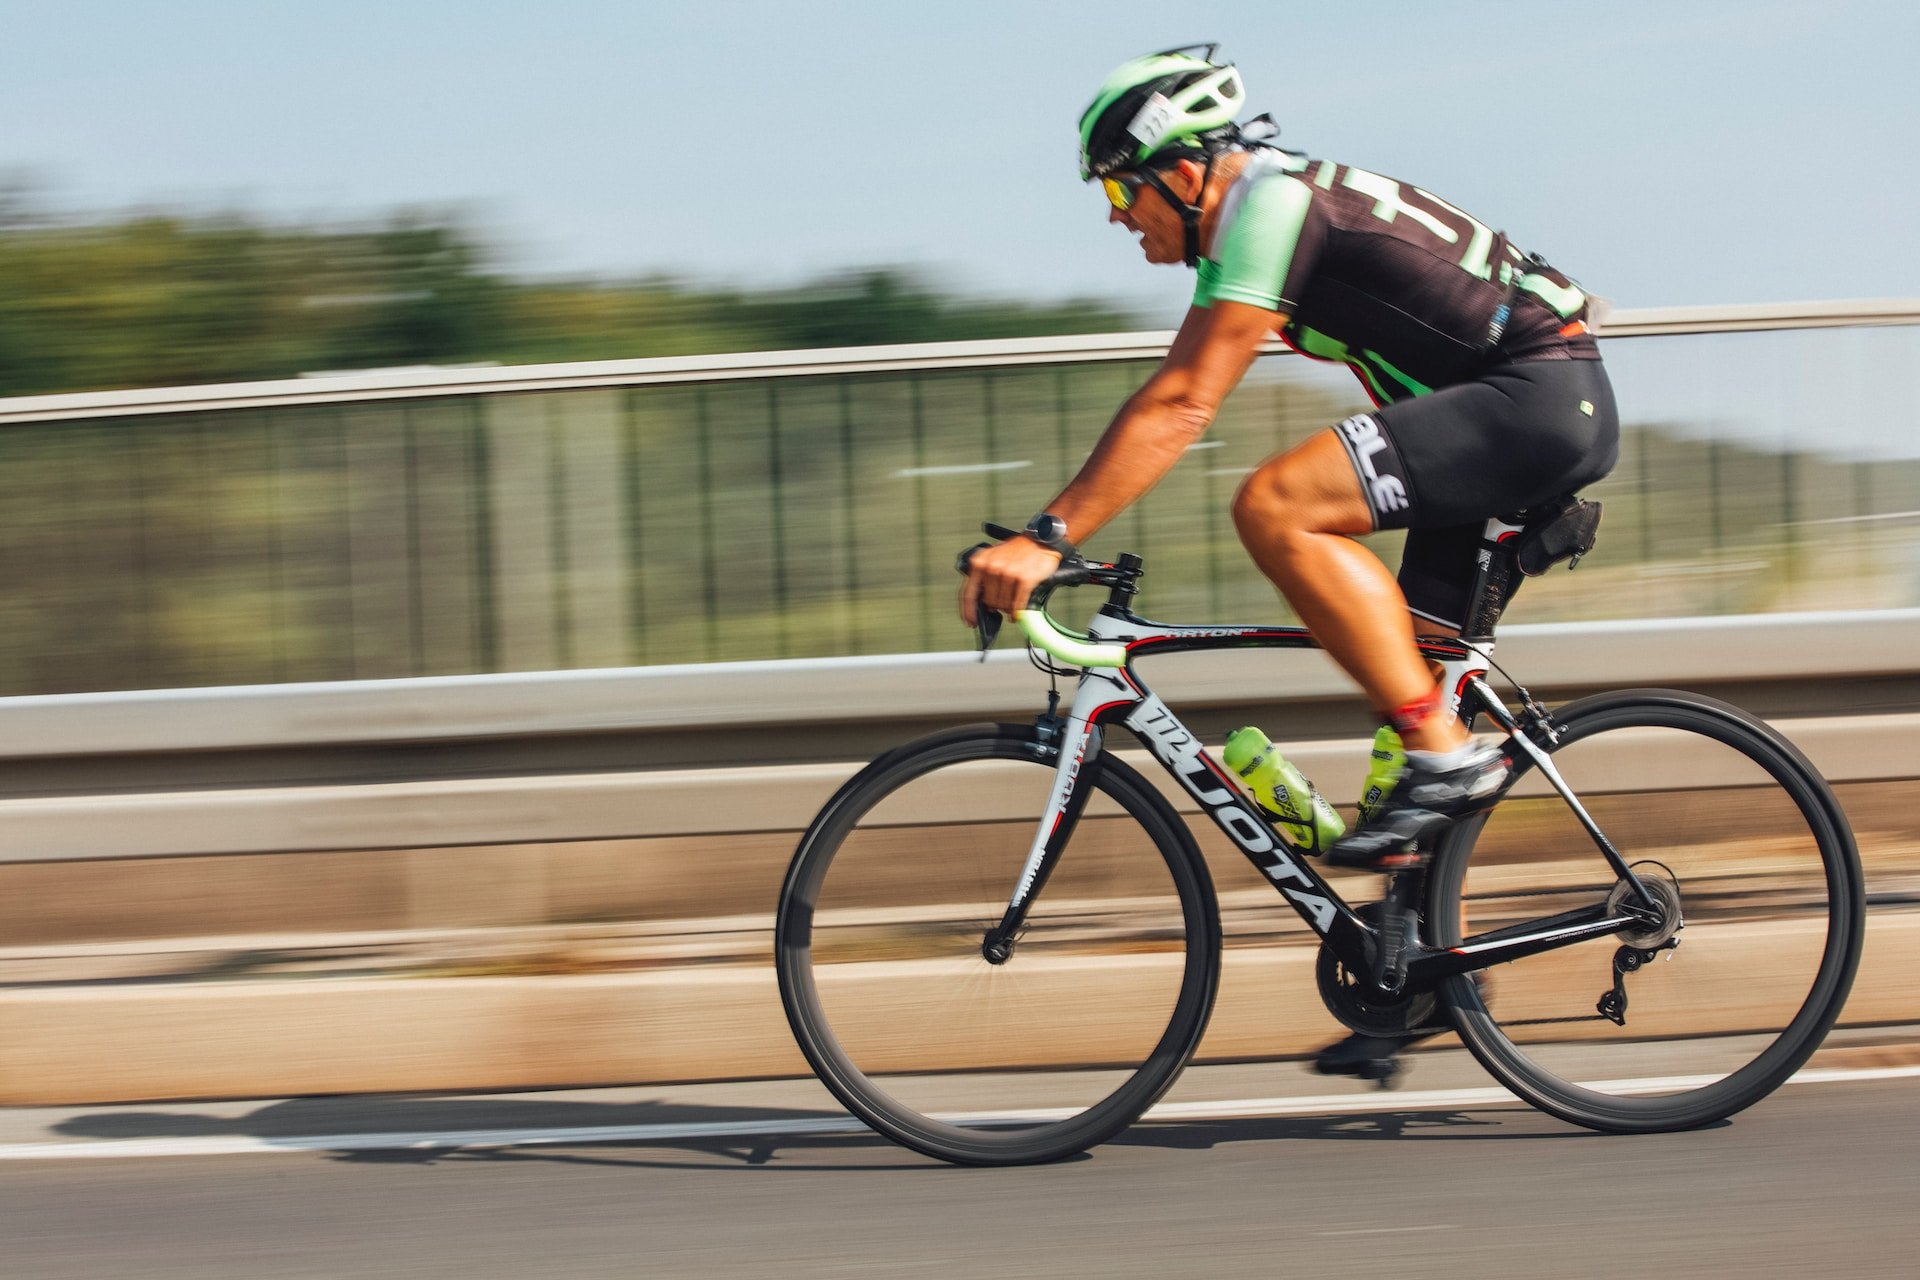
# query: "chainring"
[[1369, 1015]]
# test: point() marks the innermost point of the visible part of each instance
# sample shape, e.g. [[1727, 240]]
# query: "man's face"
[[1152, 218]]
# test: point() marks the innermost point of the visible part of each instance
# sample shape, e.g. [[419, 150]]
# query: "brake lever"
[[987, 627], [986, 622]]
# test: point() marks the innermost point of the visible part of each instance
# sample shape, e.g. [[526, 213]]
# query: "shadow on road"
[[404, 1113], [1376, 1126], [410, 1129]]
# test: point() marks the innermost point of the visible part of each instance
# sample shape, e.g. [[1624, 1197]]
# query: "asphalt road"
[[1822, 1179]]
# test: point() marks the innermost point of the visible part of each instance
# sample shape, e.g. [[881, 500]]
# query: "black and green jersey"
[[1393, 280]]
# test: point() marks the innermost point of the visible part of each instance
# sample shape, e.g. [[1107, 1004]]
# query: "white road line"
[[808, 1126]]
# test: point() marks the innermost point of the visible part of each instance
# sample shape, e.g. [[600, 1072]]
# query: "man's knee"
[[1268, 501], [1304, 491]]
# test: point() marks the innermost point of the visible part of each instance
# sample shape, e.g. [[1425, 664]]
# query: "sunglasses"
[[1123, 190]]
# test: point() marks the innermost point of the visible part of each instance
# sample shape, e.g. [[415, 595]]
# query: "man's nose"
[[1114, 215]]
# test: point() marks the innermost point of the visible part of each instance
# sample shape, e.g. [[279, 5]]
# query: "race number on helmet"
[[1165, 103]]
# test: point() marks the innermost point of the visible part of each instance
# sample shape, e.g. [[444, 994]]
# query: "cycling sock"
[[1411, 715], [1443, 761]]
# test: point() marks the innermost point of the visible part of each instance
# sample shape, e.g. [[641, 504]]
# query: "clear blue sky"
[[1665, 153]]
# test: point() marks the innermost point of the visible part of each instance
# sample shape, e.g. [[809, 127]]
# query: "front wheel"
[[1706, 1011], [947, 1045]]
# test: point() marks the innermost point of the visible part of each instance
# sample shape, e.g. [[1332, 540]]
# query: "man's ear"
[[1193, 175]]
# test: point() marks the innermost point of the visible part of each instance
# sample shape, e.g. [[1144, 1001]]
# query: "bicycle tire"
[[1124, 809], [1773, 879]]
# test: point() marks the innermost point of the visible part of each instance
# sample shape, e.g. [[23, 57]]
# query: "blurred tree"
[[163, 300]]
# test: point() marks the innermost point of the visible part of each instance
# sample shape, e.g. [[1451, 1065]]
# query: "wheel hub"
[[1664, 888]]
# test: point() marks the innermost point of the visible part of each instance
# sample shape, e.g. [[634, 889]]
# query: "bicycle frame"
[[1110, 692]]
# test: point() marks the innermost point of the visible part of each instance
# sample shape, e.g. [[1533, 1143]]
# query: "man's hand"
[[1001, 577]]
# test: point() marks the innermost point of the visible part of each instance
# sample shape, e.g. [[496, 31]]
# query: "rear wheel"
[[983, 1059], [1727, 995]]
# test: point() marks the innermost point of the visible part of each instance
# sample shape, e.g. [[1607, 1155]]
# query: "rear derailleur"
[[1662, 921], [1613, 1004]]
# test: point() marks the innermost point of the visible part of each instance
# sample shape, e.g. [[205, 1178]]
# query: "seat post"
[[1494, 581]]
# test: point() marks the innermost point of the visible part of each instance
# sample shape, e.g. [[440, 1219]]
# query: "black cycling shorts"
[[1440, 465]]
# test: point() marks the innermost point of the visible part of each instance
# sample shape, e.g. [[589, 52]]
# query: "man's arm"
[[1156, 425], [1166, 416]]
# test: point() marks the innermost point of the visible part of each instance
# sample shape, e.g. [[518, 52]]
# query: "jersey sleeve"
[[1266, 254]]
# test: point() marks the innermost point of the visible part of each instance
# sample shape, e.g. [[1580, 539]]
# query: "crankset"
[[1358, 1003]]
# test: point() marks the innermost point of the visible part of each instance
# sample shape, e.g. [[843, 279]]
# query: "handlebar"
[[1046, 635], [1041, 630]]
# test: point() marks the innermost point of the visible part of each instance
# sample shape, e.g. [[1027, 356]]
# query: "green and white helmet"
[[1165, 103]]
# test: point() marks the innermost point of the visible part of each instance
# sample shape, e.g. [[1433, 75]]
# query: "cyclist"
[[1487, 384]]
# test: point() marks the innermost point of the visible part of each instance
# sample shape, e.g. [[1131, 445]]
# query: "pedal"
[[1384, 1072], [1374, 1058]]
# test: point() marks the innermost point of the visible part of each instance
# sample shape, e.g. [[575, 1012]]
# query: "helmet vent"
[[1205, 104]]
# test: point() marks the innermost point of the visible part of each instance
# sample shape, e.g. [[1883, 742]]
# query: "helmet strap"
[[1189, 213]]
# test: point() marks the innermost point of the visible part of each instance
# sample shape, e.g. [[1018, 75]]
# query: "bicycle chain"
[[1545, 1022]]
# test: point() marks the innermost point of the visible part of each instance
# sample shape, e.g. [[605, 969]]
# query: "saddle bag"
[[1564, 529]]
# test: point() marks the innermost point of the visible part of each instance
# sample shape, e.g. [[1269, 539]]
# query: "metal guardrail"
[[593, 792], [811, 694], [910, 358], [808, 504]]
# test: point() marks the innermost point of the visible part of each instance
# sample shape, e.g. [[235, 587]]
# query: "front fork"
[[1075, 742]]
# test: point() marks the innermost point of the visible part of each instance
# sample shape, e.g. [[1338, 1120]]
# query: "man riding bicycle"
[[1488, 389]]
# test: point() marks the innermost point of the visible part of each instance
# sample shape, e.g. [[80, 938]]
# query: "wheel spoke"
[[1727, 828], [1114, 965]]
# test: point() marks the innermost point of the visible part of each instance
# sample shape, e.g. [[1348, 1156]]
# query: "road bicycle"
[[1002, 943]]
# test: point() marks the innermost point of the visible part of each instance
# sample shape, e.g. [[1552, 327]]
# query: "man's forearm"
[[1144, 441]]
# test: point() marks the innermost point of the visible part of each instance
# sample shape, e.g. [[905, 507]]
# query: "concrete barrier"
[[248, 1039], [322, 862]]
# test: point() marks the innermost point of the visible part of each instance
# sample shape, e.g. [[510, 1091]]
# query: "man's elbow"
[[1191, 415], [1179, 409]]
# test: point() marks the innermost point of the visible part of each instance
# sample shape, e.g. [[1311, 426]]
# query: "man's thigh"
[[1521, 435], [1437, 570]]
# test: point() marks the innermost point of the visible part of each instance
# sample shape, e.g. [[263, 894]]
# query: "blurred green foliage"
[[793, 517], [168, 300]]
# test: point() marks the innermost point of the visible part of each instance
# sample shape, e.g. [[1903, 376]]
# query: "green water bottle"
[[1308, 820], [1388, 763]]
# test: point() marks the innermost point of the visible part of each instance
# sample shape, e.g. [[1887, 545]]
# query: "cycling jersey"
[[1400, 285]]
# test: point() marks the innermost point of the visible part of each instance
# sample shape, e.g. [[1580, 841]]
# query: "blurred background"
[[227, 196], [211, 827]]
